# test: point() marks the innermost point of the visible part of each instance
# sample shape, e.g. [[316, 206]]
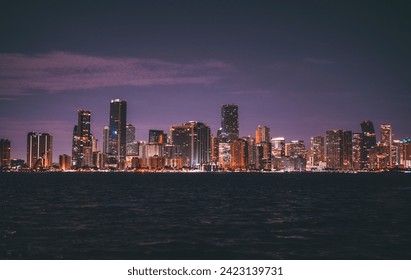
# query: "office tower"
[[180, 138], [214, 150], [117, 131], [229, 123], [278, 147], [334, 149], [262, 134], [131, 143], [368, 145], [356, 150], [297, 149], [406, 153], [39, 150], [263, 155], [251, 151], [82, 139], [316, 150], [65, 162], [239, 154], [224, 155], [192, 140], [386, 143], [157, 136], [106, 131], [347, 149], [5, 158]]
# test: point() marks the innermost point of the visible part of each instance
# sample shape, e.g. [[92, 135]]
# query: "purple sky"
[[299, 68]]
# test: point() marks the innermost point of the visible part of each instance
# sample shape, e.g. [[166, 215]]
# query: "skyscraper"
[[262, 134], [334, 149], [5, 159], [192, 141], [131, 143], [117, 131], [39, 150], [106, 130], [239, 154], [316, 150], [368, 145], [386, 143], [229, 123], [82, 140]]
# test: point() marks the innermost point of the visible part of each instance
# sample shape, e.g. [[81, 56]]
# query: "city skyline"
[[300, 69]]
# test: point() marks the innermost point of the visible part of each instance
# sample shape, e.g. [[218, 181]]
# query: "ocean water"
[[205, 216]]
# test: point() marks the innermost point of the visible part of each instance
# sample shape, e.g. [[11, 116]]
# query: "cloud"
[[319, 61], [58, 71]]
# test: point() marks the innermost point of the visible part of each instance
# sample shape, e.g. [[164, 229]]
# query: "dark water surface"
[[205, 216]]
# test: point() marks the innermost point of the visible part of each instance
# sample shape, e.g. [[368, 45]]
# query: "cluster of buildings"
[[192, 146]]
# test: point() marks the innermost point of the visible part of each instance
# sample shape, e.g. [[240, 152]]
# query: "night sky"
[[299, 67]]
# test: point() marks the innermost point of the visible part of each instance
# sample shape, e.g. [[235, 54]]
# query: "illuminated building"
[[214, 150], [82, 140], [251, 151], [278, 147], [316, 150], [262, 134], [39, 150], [229, 123], [192, 140], [406, 162], [356, 150], [157, 136], [5, 158], [224, 156], [386, 143], [65, 162], [369, 142], [117, 131], [239, 154], [334, 149], [131, 143], [339, 149], [106, 130]]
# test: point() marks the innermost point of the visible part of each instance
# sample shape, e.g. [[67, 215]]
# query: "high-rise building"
[[239, 154], [131, 143], [106, 131], [262, 134], [117, 131], [263, 155], [386, 143], [356, 150], [39, 150], [406, 161], [334, 149], [192, 140], [339, 149], [157, 136], [316, 150], [278, 147], [82, 139], [5, 158], [368, 145], [347, 149], [65, 162], [229, 130]]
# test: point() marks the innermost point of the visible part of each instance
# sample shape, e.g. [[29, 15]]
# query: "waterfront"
[[205, 216]]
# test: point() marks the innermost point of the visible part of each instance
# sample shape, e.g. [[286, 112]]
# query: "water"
[[205, 216]]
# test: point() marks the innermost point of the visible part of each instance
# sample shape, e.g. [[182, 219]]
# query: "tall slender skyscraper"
[[316, 150], [5, 159], [339, 149], [386, 142], [39, 150], [82, 140], [229, 123], [368, 145], [117, 130], [106, 130]]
